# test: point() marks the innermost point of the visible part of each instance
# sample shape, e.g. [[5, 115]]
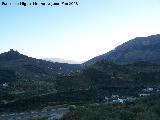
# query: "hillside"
[[142, 109], [22, 76], [90, 84], [106, 78], [34, 84], [16, 66], [138, 49]]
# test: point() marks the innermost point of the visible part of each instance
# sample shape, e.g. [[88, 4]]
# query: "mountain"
[[16, 66], [11, 55], [138, 49], [59, 60], [33, 84], [105, 78]]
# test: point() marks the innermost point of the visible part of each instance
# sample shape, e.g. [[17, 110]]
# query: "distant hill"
[[59, 60], [138, 49], [16, 66]]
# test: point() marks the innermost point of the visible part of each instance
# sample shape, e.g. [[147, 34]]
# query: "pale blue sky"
[[75, 32]]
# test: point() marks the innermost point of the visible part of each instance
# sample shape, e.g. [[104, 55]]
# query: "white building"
[[115, 96], [5, 85], [120, 100], [143, 95]]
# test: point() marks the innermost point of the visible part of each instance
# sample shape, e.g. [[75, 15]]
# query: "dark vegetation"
[[84, 86], [106, 78], [142, 109], [24, 80], [32, 84]]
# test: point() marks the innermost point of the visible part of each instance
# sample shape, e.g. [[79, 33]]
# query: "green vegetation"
[[24, 81], [34, 84], [39, 102], [89, 85], [105, 78], [143, 109]]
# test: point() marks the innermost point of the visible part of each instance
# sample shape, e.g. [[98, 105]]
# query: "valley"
[[29, 85]]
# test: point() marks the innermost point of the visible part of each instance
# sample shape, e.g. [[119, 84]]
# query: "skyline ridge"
[[69, 61]]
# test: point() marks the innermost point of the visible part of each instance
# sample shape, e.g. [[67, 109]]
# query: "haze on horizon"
[[76, 32]]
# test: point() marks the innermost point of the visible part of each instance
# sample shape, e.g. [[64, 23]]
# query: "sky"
[[77, 32]]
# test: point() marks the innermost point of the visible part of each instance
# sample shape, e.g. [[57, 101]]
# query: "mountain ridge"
[[22, 67], [137, 49]]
